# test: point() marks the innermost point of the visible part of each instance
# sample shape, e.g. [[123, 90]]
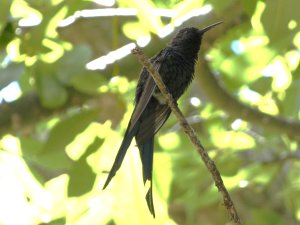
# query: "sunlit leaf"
[[145, 13], [247, 67], [169, 140], [231, 139], [135, 30], [163, 174]]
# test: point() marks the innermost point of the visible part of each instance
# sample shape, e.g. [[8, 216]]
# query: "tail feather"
[[149, 200], [121, 153], [146, 154]]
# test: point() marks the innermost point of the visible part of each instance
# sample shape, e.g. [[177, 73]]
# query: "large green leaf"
[[262, 85], [82, 177], [4, 13], [51, 92], [7, 34], [65, 131], [276, 18], [249, 6], [267, 216], [88, 83], [220, 6], [291, 102], [72, 63], [228, 164]]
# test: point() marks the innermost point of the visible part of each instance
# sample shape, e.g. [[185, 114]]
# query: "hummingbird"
[[175, 64]]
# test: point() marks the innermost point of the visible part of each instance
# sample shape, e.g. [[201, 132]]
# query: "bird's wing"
[[147, 89], [156, 114], [155, 120], [143, 100]]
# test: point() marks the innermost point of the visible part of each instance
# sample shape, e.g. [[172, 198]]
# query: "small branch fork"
[[209, 163]]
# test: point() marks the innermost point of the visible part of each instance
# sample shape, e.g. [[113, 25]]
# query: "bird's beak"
[[209, 27]]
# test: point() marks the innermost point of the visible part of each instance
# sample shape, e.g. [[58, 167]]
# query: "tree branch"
[[192, 135], [24, 112], [222, 99]]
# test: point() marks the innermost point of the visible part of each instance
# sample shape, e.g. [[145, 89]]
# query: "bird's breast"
[[177, 72]]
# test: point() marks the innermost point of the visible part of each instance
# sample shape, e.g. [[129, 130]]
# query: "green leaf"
[[88, 83], [208, 198], [262, 85], [56, 162], [4, 13], [52, 94], [291, 102], [276, 18], [65, 131], [249, 6], [220, 6], [267, 216], [72, 63], [82, 177], [30, 147], [10, 73], [229, 164], [43, 167], [7, 34]]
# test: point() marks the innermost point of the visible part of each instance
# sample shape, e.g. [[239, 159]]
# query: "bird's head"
[[190, 38]]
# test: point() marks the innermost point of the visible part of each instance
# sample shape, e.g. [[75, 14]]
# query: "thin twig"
[[192, 135]]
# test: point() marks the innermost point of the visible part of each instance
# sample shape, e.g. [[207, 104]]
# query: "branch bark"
[[209, 163]]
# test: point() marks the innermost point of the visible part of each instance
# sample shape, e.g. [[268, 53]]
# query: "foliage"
[[54, 162]]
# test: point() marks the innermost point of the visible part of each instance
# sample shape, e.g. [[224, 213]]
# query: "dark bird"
[[175, 64]]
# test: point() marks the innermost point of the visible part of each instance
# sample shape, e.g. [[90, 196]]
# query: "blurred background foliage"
[[67, 82]]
